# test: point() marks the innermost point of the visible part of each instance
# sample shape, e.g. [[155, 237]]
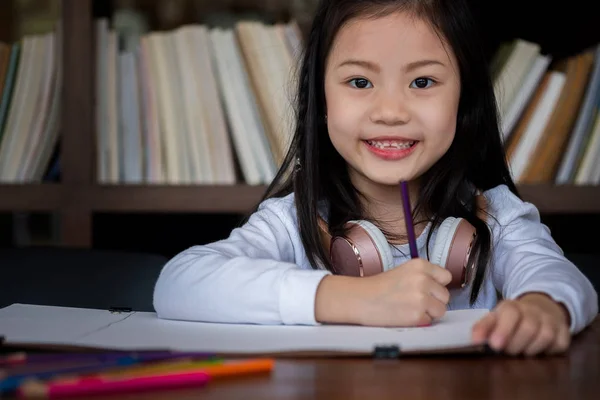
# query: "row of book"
[[184, 106], [225, 95], [30, 88], [549, 112], [212, 104]]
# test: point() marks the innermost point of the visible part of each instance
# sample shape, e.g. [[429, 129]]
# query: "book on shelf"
[[190, 104], [30, 88], [549, 113]]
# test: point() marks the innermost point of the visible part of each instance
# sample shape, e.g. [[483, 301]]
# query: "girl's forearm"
[[338, 300]]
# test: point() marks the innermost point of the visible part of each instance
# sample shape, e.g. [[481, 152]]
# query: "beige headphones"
[[364, 250]]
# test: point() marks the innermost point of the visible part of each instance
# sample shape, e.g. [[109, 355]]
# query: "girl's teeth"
[[387, 144]]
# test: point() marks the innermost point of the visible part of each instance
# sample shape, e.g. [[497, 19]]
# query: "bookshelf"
[[76, 198]]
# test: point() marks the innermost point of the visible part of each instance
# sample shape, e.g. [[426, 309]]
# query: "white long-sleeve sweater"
[[260, 273]]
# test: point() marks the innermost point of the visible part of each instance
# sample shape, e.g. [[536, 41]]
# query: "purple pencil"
[[410, 230], [11, 381]]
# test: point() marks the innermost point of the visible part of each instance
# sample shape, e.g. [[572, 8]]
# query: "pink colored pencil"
[[93, 386]]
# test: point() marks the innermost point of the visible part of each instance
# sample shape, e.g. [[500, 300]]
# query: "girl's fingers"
[[435, 308], [530, 335], [515, 330], [508, 318], [546, 335], [562, 341], [439, 292], [483, 327]]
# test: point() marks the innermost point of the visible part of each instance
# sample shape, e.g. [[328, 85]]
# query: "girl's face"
[[392, 91]]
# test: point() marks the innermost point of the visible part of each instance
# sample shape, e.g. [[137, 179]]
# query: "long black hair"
[[316, 173]]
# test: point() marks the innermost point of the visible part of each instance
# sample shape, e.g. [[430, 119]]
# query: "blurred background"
[[154, 125]]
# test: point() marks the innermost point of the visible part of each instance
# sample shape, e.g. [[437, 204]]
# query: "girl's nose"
[[390, 109]]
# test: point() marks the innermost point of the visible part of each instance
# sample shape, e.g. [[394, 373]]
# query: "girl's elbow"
[[177, 295], [168, 295], [162, 300]]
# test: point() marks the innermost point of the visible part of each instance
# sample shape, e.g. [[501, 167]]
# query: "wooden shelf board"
[[229, 199], [568, 199], [241, 198], [175, 198], [30, 197]]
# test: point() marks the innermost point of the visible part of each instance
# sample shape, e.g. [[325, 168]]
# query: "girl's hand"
[[531, 325], [413, 294], [410, 295]]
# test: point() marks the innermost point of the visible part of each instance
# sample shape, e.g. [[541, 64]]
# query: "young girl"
[[389, 91]]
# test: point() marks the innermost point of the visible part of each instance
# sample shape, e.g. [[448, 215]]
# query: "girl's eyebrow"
[[361, 63], [422, 63], [375, 68]]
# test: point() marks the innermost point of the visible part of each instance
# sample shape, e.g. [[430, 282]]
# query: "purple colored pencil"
[[410, 229], [98, 362]]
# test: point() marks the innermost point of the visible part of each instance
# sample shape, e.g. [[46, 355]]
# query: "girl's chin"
[[388, 180], [368, 174]]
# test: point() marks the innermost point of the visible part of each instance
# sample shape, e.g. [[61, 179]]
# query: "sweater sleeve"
[[250, 277], [527, 259]]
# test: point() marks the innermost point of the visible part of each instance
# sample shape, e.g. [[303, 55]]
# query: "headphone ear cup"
[[380, 242], [363, 251], [443, 241], [452, 249]]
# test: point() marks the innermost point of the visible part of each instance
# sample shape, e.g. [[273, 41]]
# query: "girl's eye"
[[422, 83], [360, 83]]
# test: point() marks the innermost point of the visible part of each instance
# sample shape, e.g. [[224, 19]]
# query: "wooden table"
[[575, 375]]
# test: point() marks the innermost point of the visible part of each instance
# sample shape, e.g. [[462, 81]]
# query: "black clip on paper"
[[118, 310], [387, 352]]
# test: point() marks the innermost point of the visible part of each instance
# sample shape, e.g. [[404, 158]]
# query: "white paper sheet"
[[143, 331], [52, 325]]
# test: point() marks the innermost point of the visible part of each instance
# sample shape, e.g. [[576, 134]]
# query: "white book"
[[233, 101], [153, 164], [260, 167], [23, 324], [583, 127], [188, 76], [279, 67], [131, 139], [101, 104], [224, 164], [591, 158], [535, 129], [42, 154], [514, 71], [265, 68], [113, 103], [219, 138], [42, 111], [523, 96], [31, 112], [17, 113], [261, 147], [172, 131]]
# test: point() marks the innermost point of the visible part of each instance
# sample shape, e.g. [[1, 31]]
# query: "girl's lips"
[[391, 150]]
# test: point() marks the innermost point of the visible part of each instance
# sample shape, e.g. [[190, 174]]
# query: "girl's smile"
[[391, 148]]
